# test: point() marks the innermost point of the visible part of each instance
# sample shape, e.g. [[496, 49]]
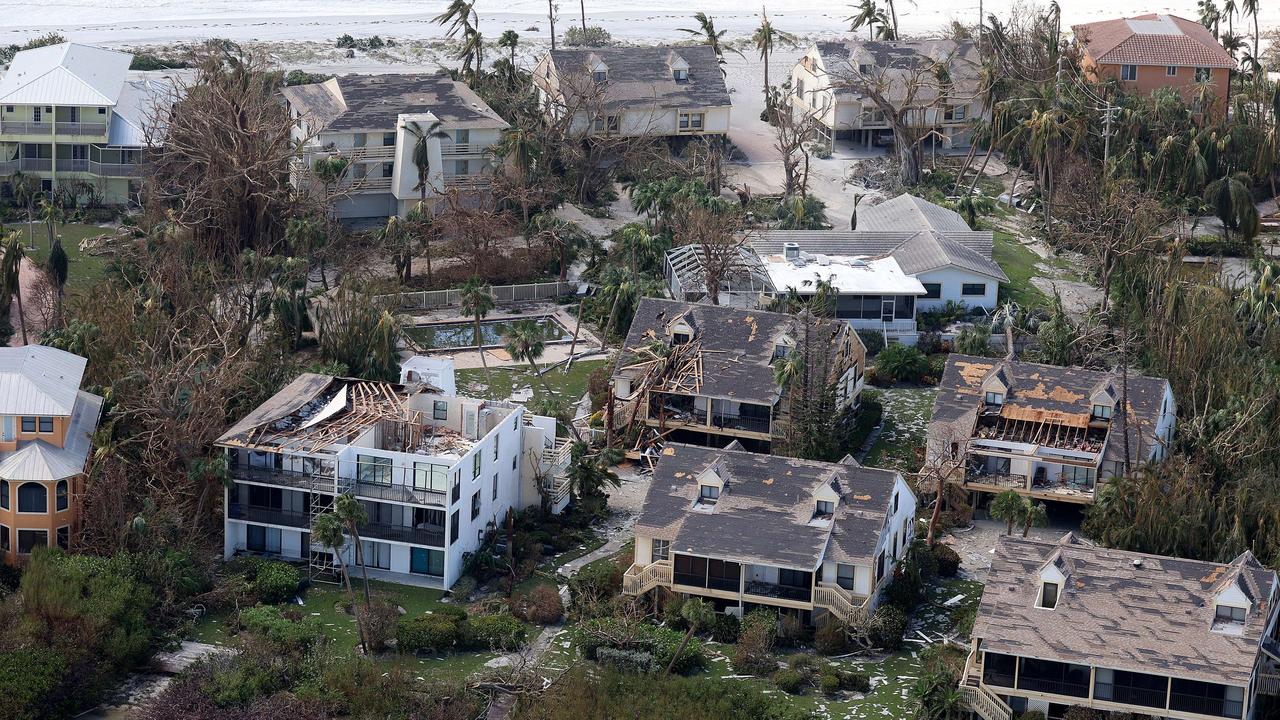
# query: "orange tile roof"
[[1152, 40]]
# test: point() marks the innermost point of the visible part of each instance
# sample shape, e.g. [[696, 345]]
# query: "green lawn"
[[565, 387], [83, 269], [1019, 263], [900, 445]]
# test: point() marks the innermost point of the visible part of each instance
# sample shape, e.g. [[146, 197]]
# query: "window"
[[388, 169], [680, 75], [971, 289], [800, 87], [35, 114], [64, 537], [1049, 596], [794, 578], [599, 124], [388, 139], [460, 167], [895, 503], [426, 562], [1101, 412], [4, 538], [4, 494], [680, 338], [691, 121], [1203, 74], [359, 140], [495, 487], [1228, 614], [440, 410], [708, 494], [475, 465], [28, 424], [955, 113], [825, 508], [661, 550], [8, 108], [46, 424], [844, 576], [475, 505], [994, 398], [780, 351], [102, 111], [462, 137], [61, 494], [932, 291], [496, 438], [1171, 71], [611, 123], [600, 76], [457, 490], [863, 69], [430, 477], [453, 527], [29, 540], [1129, 73], [373, 469], [32, 498]]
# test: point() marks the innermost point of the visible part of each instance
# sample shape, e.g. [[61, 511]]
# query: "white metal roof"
[[143, 105], [39, 380], [65, 74], [39, 461], [848, 275]]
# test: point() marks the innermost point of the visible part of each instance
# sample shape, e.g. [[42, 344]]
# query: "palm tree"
[[788, 369], [1034, 514], [551, 16], [353, 516], [973, 205], [458, 15], [26, 190], [697, 613], [525, 341], [509, 40], [1209, 15], [471, 54], [326, 529], [582, 6], [421, 158], [588, 474], [561, 234], [57, 267], [395, 237], [1010, 507], [1250, 7], [50, 214], [476, 300], [710, 36], [11, 280], [766, 39], [867, 16], [1233, 205]]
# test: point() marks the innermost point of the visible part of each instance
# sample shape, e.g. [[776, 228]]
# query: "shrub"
[[544, 605], [929, 343], [594, 583], [948, 560], [1080, 712], [285, 633], [380, 620], [754, 652], [725, 628], [456, 613], [793, 629], [464, 588], [620, 634], [636, 661], [901, 363], [236, 684], [829, 684], [593, 36], [974, 340], [872, 340], [494, 632], [832, 638], [1031, 715], [855, 681], [888, 626], [28, 679], [276, 582], [789, 681], [427, 633]]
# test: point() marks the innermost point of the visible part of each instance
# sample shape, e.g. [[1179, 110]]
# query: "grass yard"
[[565, 387], [1019, 263], [900, 445], [83, 269]]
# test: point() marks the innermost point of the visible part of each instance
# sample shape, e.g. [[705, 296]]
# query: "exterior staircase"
[[843, 604], [640, 579], [980, 699]]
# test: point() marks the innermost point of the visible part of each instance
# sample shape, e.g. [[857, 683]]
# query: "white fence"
[[431, 299]]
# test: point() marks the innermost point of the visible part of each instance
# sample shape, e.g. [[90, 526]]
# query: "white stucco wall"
[[952, 281]]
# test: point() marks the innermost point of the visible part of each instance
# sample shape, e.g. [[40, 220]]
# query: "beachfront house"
[[829, 83], [1044, 431], [77, 120], [672, 92], [1150, 52], [46, 430], [907, 256], [370, 121], [704, 374], [739, 529], [436, 474], [1067, 624]]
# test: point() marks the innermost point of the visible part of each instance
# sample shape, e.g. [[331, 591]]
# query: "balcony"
[[432, 535], [80, 129], [366, 184], [20, 127], [399, 493], [26, 165], [269, 516], [1145, 697], [1053, 686], [73, 165], [462, 149], [311, 482], [467, 182], [1002, 480], [778, 591], [747, 423], [115, 169]]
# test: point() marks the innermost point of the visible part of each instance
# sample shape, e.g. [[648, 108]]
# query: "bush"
[[433, 633], [901, 363], [789, 681], [28, 679], [725, 628], [803, 662], [829, 684], [948, 560], [620, 634], [872, 340], [636, 661], [929, 343], [593, 36], [544, 605], [1031, 715], [888, 626], [855, 681], [974, 340], [456, 613], [283, 632], [236, 684], [832, 638], [276, 582], [753, 654], [380, 621], [1080, 712], [495, 632], [593, 584], [463, 589]]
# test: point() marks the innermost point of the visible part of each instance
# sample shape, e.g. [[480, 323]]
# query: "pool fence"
[[502, 294]]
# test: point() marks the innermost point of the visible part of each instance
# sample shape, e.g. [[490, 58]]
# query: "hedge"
[[494, 632], [433, 633], [276, 582], [662, 643]]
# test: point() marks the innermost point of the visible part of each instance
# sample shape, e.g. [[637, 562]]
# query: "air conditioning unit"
[[791, 251]]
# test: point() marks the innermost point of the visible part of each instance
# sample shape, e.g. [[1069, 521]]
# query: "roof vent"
[[1137, 562], [823, 260], [791, 251]]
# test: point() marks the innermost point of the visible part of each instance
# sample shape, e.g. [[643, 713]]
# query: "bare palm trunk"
[[551, 16], [480, 349], [937, 510], [22, 316], [533, 367], [683, 644], [582, 6], [574, 344]]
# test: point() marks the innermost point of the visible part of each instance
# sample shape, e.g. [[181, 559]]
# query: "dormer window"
[[708, 494], [1049, 595], [780, 351], [681, 338], [994, 398], [1229, 615], [824, 509], [680, 75], [1101, 412], [600, 76]]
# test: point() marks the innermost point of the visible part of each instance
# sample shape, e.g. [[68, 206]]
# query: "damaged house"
[[1048, 432], [436, 473], [741, 529], [704, 374]]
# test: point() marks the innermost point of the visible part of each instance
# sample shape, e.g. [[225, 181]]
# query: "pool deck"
[[555, 352]]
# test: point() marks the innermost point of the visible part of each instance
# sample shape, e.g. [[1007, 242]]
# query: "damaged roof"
[[375, 102], [643, 76], [737, 344], [765, 510], [915, 251], [1123, 610]]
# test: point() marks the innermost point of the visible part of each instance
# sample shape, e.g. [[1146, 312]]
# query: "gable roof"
[[1152, 40], [897, 59], [65, 74], [39, 380], [1122, 610], [765, 512], [375, 102], [41, 461], [908, 212], [641, 76], [916, 252], [737, 345]]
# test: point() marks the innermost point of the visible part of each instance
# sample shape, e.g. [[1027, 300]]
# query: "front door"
[[886, 310]]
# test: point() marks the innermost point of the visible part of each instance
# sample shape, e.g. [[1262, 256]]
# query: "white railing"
[[114, 169], [986, 703], [461, 149], [365, 184], [639, 579], [842, 603], [364, 152], [1268, 683], [430, 299], [559, 454], [80, 128], [72, 165]]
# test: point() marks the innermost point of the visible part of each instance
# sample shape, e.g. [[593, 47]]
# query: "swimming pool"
[[443, 336]]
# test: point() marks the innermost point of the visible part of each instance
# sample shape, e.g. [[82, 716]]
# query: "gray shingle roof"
[[908, 212], [641, 76], [765, 514], [1153, 617], [739, 364], [374, 102], [931, 250]]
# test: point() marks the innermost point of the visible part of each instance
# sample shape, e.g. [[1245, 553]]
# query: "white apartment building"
[[436, 474], [369, 121]]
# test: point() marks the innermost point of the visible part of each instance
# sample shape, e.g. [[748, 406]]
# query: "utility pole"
[[1107, 113], [980, 16]]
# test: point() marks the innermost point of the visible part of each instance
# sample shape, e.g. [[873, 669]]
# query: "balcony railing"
[[23, 127], [461, 149], [640, 579], [26, 165], [1055, 687], [689, 579], [1145, 697], [432, 535], [81, 129], [73, 165], [1205, 705], [270, 516], [741, 422], [782, 592], [1005, 480], [312, 482], [997, 678], [399, 493], [114, 169], [468, 182]]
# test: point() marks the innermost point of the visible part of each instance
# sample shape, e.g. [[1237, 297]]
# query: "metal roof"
[[65, 74], [40, 461], [39, 380]]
